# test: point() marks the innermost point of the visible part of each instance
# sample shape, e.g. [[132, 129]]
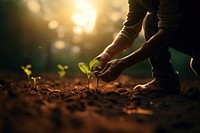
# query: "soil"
[[68, 106]]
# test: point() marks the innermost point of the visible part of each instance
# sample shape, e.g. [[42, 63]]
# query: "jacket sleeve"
[[169, 15], [132, 25]]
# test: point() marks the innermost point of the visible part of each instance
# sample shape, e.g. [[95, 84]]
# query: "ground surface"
[[67, 106]]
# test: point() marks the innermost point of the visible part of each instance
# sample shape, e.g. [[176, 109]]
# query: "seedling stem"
[[35, 81]]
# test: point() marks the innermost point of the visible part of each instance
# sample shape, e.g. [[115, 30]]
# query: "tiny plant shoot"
[[62, 70], [88, 69], [35, 81], [27, 70]]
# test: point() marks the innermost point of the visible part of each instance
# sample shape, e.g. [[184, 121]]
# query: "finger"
[[105, 68], [106, 76], [109, 75], [96, 73], [98, 68], [102, 75]]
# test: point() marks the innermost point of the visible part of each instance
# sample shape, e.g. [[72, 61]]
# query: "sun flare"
[[84, 16]]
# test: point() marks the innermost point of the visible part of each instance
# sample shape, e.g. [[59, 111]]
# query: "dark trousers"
[[186, 41]]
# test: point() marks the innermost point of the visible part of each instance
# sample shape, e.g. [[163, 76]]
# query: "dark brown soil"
[[68, 106]]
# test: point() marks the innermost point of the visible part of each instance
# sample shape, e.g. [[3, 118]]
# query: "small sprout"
[[62, 70], [27, 70], [88, 69], [35, 81]]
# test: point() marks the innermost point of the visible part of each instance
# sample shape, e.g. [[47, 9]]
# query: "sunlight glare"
[[33, 6], [78, 30], [84, 15]]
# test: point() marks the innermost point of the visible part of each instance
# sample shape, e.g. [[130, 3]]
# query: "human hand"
[[103, 59], [112, 70]]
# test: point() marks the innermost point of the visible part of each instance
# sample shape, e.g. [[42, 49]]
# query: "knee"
[[150, 25], [195, 65]]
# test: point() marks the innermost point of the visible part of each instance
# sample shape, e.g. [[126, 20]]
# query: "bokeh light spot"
[[76, 49], [53, 24], [59, 44], [33, 6]]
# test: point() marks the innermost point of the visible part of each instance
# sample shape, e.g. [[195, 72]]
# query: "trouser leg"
[[162, 68]]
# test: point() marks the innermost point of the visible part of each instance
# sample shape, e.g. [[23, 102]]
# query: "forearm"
[[150, 48], [130, 31], [137, 56], [119, 44]]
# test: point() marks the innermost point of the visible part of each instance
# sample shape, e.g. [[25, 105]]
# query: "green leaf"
[[28, 66], [93, 63], [28, 72], [62, 73], [60, 67], [23, 67], [89, 74], [83, 67]]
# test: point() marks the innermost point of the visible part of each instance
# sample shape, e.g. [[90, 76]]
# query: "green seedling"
[[35, 81], [62, 70], [88, 69], [27, 70]]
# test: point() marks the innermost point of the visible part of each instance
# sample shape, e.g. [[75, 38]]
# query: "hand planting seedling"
[[27, 70], [35, 81], [62, 70], [88, 69]]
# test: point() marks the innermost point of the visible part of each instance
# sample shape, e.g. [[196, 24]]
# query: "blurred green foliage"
[[25, 37]]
